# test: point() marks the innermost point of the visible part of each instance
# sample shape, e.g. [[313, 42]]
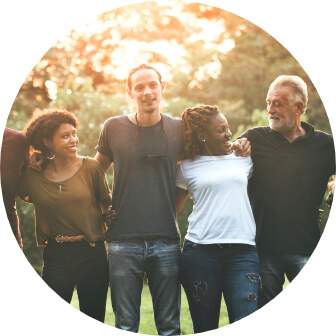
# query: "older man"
[[292, 166]]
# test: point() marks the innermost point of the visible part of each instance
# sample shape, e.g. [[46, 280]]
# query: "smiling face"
[[146, 90], [283, 114], [217, 136], [64, 142]]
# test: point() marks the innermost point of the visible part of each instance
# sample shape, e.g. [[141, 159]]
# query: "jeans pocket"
[[113, 247], [189, 245], [172, 248]]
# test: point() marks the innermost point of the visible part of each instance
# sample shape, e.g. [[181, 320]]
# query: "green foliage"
[[94, 56], [92, 108], [84, 73], [258, 118], [182, 217], [27, 227], [323, 207], [176, 106], [17, 120]]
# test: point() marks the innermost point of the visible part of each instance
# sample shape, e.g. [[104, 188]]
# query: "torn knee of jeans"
[[252, 297], [255, 278], [200, 289]]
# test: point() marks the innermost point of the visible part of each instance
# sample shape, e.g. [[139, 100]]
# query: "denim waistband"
[[143, 240], [219, 245]]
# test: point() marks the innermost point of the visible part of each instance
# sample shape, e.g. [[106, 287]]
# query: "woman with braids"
[[69, 195], [219, 255]]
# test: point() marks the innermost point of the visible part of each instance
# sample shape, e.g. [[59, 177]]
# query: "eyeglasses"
[[151, 145]]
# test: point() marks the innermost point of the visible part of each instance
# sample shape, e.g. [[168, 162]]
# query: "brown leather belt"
[[71, 239]]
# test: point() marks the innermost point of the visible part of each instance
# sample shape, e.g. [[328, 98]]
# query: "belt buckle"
[[58, 241]]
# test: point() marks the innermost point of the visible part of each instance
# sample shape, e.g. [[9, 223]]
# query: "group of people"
[[255, 215]]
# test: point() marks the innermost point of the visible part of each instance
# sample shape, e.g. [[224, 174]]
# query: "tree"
[[208, 73], [224, 60]]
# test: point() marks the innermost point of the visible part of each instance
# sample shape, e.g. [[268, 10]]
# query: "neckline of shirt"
[[306, 126], [143, 127], [68, 179], [215, 157]]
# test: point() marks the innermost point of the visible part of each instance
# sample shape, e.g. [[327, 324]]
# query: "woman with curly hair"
[[69, 195], [219, 255]]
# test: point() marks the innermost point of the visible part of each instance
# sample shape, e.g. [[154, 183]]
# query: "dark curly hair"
[[44, 124], [141, 67], [194, 120]]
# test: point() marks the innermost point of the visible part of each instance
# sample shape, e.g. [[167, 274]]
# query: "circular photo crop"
[[168, 167]]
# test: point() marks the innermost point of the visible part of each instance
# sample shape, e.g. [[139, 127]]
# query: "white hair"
[[299, 89]]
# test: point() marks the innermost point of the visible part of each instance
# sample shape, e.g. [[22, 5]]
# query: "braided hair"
[[194, 120]]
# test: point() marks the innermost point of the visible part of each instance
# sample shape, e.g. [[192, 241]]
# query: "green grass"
[[147, 325]]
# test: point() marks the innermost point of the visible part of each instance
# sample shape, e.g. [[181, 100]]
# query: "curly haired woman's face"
[[64, 142], [217, 137]]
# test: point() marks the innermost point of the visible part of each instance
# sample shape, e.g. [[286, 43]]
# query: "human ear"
[[47, 142], [201, 136], [299, 106], [163, 86], [129, 92]]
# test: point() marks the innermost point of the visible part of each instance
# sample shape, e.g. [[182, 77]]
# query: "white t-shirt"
[[222, 212]]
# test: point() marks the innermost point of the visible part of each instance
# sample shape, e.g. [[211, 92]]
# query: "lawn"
[[147, 325]]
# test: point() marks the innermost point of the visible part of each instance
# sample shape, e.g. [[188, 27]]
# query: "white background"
[[30, 28]]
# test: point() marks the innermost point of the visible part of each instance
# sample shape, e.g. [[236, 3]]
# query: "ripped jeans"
[[209, 271], [159, 259]]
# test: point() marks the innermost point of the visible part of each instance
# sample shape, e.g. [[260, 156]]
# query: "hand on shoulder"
[[37, 161], [242, 147]]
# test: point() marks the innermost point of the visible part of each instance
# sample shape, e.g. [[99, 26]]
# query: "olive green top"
[[70, 207]]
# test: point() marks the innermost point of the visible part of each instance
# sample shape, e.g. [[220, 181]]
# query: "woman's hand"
[[242, 147], [109, 215]]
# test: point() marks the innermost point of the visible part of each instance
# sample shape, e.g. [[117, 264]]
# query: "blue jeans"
[[210, 271], [159, 259], [78, 264], [273, 267]]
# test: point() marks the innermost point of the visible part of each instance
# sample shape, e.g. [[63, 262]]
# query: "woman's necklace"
[[62, 178]]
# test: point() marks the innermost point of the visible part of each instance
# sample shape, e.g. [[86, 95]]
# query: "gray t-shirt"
[[144, 177]]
